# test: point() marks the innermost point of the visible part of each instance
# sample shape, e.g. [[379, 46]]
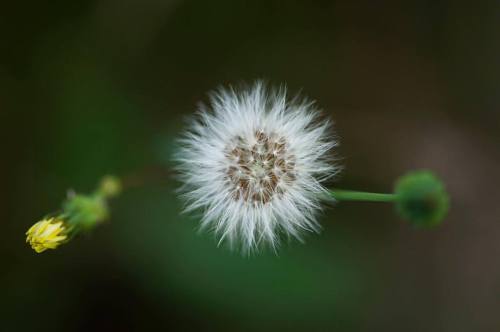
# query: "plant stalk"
[[350, 195]]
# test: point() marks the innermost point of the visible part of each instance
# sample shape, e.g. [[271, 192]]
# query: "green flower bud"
[[421, 198]]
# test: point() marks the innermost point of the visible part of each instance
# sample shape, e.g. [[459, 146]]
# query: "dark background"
[[89, 88]]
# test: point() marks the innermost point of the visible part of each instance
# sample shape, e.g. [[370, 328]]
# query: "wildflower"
[[79, 213], [48, 233], [255, 163]]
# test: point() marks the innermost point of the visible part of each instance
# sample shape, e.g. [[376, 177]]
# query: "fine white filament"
[[254, 163]]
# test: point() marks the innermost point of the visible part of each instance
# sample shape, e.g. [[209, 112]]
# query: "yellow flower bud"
[[46, 234]]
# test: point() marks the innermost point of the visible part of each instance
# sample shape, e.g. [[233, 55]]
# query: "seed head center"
[[259, 168]]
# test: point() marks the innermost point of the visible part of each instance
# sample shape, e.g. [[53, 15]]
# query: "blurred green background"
[[89, 88]]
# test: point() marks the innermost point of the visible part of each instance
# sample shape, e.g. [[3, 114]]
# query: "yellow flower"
[[47, 234]]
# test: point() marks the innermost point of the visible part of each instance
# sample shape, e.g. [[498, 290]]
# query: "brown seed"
[[273, 180], [243, 184], [260, 136]]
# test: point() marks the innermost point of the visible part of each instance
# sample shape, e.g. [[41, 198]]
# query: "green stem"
[[349, 195]]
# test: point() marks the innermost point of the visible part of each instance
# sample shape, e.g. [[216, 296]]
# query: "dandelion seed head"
[[254, 163]]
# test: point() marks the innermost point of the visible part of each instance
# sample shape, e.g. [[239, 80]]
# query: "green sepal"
[[85, 211]]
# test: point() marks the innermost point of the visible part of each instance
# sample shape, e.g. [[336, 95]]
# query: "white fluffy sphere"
[[254, 163]]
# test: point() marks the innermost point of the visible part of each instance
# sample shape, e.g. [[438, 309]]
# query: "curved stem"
[[350, 195], [147, 175]]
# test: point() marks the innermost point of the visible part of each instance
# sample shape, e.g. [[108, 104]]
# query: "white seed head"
[[254, 163]]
